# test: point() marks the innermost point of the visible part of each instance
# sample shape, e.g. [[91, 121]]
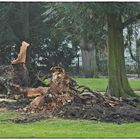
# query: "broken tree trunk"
[[20, 69], [58, 93], [60, 82], [21, 75], [22, 54], [17, 73]]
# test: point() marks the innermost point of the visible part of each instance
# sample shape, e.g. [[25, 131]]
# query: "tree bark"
[[118, 83], [89, 63], [138, 58]]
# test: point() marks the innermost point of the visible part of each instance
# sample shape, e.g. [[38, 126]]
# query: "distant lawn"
[[93, 83], [100, 84], [60, 128]]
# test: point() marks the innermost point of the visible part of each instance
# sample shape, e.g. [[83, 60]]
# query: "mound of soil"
[[80, 107], [86, 106], [124, 111]]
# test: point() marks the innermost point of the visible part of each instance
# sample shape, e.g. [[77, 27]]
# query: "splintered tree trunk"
[[118, 82]]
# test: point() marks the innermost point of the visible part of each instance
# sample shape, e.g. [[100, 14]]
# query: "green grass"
[[135, 84], [58, 128], [93, 83], [7, 115], [100, 84]]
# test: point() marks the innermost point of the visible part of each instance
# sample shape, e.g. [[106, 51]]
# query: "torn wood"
[[60, 82], [22, 54], [33, 92]]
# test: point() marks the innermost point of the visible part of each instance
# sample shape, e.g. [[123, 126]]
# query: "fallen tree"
[[62, 97]]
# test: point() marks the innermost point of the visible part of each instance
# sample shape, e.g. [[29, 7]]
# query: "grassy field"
[[100, 84], [93, 83], [60, 128]]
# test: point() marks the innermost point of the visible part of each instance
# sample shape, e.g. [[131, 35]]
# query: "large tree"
[[116, 14], [79, 21], [118, 83], [117, 17]]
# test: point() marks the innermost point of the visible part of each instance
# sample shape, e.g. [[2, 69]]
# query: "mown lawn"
[[60, 128], [100, 84]]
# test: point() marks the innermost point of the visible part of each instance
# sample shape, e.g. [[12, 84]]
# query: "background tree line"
[[57, 31]]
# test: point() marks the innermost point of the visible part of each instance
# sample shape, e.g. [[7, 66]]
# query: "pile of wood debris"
[[57, 93], [62, 97]]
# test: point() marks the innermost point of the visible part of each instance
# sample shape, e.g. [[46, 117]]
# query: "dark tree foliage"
[[24, 21]]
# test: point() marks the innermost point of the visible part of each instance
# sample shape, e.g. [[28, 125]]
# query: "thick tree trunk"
[[89, 62], [118, 82], [138, 59]]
